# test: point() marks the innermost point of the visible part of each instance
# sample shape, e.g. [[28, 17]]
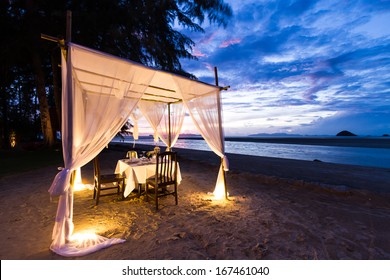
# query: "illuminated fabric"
[[100, 92], [135, 116], [153, 113], [171, 123]]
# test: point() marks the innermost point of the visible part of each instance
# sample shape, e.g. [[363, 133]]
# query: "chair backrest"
[[166, 168], [132, 154]]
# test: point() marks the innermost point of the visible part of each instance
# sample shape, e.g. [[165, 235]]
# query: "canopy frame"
[[74, 89]]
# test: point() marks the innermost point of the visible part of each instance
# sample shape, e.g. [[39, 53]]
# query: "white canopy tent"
[[99, 93]]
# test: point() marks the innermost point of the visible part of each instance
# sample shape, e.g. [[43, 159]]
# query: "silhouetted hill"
[[273, 135], [345, 133], [189, 135]]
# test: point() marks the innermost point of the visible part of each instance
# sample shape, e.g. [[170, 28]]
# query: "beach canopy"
[[100, 92]]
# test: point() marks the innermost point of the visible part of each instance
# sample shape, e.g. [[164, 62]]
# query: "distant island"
[[273, 135], [345, 133], [189, 135], [341, 133]]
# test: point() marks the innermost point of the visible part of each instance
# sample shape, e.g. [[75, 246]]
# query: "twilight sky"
[[307, 67]]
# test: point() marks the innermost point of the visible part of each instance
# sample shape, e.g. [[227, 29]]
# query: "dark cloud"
[[362, 124], [375, 5], [375, 55], [287, 10], [322, 54]]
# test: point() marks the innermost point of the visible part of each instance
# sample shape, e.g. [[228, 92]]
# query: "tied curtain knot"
[[225, 163], [61, 182]]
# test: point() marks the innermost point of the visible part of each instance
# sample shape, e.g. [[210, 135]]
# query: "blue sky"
[[300, 67]]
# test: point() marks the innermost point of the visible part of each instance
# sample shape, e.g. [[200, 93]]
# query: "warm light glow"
[[219, 192], [84, 236], [12, 139], [79, 187], [217, 200], [85, 239], [78, 184]]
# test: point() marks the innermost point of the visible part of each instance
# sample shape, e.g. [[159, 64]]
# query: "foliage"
[[143, 31], [126, 130]]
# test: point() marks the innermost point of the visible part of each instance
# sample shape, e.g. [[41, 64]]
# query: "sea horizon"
[[356, 150]]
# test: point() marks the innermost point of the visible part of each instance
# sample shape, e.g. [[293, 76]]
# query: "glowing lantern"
[[12, 139], [219, 191], [78, 184]]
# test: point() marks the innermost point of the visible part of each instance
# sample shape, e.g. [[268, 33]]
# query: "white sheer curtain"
[[95, 105], [99, 94], [153, 112], [135, 116], [170, 125], [206, 113]]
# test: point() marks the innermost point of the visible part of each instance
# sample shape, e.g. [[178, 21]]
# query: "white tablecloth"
[[137, 171]]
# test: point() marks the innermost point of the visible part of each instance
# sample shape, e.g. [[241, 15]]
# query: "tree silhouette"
[[143, 31]]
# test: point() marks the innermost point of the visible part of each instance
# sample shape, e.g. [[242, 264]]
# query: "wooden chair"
[[100, 179], [164, 182], [132, 154]]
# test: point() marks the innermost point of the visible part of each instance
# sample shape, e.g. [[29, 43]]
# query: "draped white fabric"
[[135, 116], [206, 113], [171, 123], [100, 92], [94, 108], [153, 112]]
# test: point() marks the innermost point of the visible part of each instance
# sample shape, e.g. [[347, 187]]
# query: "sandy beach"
[[278, 209]]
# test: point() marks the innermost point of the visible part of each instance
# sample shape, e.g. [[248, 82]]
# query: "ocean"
[[365, 156]]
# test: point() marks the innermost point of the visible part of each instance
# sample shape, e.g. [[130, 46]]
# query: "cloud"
[[198, 53], [317, 59], [361, 123], [208, 66], [226, 44]]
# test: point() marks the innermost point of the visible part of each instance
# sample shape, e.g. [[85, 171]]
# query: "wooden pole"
[[169, 126], [216, 76], [220, 128], [68, 26], [68, 39]]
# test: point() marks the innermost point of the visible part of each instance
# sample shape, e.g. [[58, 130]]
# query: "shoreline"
[[346, 141], [331, 176]]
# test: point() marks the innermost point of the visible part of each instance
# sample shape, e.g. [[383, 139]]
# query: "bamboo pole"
[[220, 128], [169, 126], [68, 26], [68, 39]]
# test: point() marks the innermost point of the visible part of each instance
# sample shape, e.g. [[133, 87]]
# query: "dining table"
[[136, 171]]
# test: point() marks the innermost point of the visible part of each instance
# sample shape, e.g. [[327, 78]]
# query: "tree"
[[143, 31], [23, 47]]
